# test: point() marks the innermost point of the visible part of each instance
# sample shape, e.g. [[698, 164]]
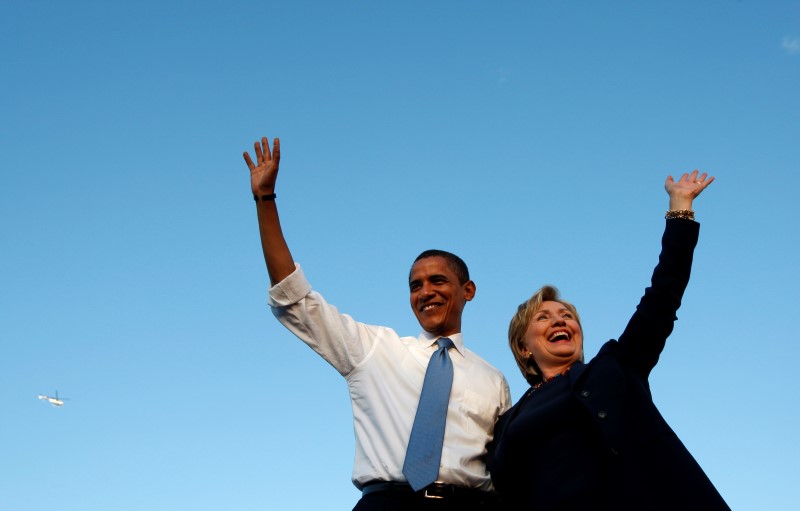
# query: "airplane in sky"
[[55, 401]]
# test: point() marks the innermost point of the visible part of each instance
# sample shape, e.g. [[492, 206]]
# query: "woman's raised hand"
[[683, 191]]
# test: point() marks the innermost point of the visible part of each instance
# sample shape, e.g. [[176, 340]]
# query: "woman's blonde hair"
[[519, 326]]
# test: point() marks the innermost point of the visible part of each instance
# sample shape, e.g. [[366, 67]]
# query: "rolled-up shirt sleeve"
[[338, 338], [290, 290]]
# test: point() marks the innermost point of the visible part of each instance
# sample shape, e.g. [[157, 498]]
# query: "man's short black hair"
[[455, 263]]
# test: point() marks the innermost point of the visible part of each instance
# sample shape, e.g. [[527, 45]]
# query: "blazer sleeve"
[[646, 334]]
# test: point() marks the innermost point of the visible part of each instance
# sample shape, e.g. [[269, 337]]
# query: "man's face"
[[437, 297]]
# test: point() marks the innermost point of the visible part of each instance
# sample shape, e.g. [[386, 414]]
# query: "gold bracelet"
[[683, 214]]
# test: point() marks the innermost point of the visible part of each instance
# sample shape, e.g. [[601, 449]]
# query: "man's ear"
[[469, 290]]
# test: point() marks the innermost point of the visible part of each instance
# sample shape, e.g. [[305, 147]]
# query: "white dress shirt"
[[384, 373]]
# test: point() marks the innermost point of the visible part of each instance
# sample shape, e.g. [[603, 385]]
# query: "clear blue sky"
[[530, 137]]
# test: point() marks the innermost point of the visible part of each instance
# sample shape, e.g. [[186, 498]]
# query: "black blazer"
[[644, 465]]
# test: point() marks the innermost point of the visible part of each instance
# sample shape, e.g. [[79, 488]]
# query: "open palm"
[[688, 186], [264, 172]]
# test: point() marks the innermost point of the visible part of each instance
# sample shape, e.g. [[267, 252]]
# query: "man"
[[385, 372]]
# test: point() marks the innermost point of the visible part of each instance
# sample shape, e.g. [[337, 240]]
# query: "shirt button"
[[585, 393], [602, 414]]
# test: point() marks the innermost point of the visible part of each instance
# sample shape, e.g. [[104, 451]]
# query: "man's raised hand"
[[264, 172]]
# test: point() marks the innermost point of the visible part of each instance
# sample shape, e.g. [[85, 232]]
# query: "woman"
[[588, 436]]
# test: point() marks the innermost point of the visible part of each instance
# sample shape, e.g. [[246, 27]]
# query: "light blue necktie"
[[424, 453]]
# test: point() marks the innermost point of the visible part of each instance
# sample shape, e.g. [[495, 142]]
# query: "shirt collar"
[[427, 340]]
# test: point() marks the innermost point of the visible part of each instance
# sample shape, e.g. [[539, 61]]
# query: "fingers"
[[693, 178], [703, 177], [248, 161], [704, 182], [263, 154], [669, 183], [259, 152], [265, 145]]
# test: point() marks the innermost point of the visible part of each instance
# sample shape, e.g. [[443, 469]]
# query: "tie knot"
[[445, 343]]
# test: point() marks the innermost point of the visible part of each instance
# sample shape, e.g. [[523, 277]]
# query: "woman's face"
[[554, 338]]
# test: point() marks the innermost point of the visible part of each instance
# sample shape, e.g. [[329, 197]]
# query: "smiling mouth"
[[559, 336], [430, 307]]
